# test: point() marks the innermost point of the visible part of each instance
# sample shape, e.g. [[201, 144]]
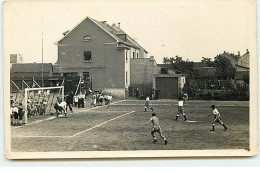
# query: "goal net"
[[41, 101]]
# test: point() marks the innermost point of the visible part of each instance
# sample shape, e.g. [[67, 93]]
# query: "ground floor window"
[[86, 76]]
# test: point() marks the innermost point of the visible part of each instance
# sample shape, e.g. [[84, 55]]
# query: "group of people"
[[36, 107], [99, 98], [78, 101], [181, 103]]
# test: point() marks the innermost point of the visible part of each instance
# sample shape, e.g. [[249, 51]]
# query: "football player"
[[180, 110], [217, 118], [147, 104], [156, 128]]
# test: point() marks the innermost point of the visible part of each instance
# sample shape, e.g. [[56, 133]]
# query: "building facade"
[[96, 51]]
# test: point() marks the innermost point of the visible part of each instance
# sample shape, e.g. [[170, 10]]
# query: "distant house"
[[146, 75], [241, 64], [16, 58]]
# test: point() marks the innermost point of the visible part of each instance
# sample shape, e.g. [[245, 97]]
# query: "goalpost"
[[36, 95]]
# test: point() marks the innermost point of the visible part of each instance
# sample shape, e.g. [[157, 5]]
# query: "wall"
[[141, 75], [142, 53]]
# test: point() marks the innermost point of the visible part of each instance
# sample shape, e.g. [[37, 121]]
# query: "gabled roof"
[[113, 31], [31, 68]]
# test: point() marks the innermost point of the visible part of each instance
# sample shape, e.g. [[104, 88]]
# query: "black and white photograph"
[[130, 79]]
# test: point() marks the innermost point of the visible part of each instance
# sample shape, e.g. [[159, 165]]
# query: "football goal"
[[40, 101]]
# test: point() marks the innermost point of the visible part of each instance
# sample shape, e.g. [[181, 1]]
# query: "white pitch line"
[[43, 136], [78, 132], [50, 118], [142, 104], [194, 121], [101, 124], [55, 116], [98, 107]]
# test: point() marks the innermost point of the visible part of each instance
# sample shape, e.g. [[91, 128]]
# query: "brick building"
[[100, 52]]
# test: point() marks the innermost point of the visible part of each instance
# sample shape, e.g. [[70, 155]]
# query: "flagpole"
[[42, 52]]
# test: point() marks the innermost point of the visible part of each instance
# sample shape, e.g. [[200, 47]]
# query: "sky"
[[188, 28]]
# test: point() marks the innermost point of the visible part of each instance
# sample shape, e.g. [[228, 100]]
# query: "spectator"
[[137, 94], [69, 102], [20, 113], [15, 114], [76, 100]]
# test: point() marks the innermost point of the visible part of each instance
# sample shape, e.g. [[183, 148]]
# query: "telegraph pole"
[[42, 52]]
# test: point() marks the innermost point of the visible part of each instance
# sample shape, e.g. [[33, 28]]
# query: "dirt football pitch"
[[122, 127]]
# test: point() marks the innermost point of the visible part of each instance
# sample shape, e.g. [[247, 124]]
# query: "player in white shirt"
[[147, 104], [180, 110], [217, 118], [156, 128]]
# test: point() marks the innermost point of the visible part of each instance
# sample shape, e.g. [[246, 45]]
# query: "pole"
[[42, 52], [25, 105]]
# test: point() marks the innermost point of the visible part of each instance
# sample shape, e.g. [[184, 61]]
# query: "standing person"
[[76, 100], [157, 93], [217, 118], [94, 100], [156, 128], [147, 104], [69, 102], [15, 114], [11, 101], [137, 93], [109, 100], [20, 113], [180, 110], [153, 94], [81, 100], [185, 98], [44, 102]]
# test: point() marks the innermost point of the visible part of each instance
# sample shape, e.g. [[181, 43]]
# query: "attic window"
[[87, 38]]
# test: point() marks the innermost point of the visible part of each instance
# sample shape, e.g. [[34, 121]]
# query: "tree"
[[208, 61], [224, 68]]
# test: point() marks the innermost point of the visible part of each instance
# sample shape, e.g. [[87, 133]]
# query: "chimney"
[[104, 22], [238, 53], [118, 25], [247, 51], [113, 25], [151, 57]]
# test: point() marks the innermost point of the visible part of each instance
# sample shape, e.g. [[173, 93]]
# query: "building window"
[[86, 76], [87, 38], [133, 55], [136, 55], [126, 77], [87, 56], [126, 58]]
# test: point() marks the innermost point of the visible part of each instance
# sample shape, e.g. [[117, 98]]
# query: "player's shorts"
[[146, 104], [217, 120], [15, 115], [156, 129], [180, 109]]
